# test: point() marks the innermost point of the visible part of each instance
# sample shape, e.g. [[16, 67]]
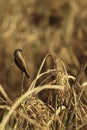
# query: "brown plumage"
[[20, 62]]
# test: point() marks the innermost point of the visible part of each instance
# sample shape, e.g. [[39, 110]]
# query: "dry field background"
[[42, 27]]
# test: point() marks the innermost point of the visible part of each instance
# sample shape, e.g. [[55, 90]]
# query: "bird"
[[20, 61]]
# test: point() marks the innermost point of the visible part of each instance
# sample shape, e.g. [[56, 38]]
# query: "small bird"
[[20, 62]]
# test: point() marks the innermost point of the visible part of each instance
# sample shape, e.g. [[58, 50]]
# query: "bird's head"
[[17, 51]]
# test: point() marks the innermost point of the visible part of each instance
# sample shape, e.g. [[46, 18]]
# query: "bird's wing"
[[20, 62]]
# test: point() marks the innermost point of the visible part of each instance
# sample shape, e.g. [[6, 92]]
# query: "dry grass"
[[55, 97], [29, 112]]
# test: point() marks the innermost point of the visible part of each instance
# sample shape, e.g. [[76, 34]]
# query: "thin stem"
[[76, 82], [83, 66], [22, 85]]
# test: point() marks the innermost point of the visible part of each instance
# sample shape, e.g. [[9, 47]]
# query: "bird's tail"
[[28, 76]]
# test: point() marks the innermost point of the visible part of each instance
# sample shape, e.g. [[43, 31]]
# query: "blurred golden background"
[[40, 27]]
